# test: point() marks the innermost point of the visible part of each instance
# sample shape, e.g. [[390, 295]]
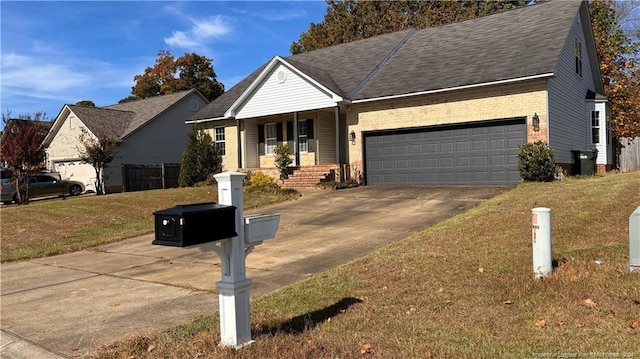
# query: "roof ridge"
[[382, 62], [183, 93], [106, 108]]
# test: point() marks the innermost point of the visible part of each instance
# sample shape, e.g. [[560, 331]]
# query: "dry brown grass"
[[461, 289], [50, 227]]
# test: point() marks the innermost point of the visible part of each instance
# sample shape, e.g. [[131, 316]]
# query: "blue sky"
[[55, 53]]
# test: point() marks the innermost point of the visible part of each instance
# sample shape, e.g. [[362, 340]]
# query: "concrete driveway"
[[70, 304]]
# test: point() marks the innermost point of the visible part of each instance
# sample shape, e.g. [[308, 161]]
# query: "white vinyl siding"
[[326, 136], [599, 134], [568, 129], [250, 147], [274, 96]]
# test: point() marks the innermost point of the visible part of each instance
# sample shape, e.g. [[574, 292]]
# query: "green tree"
[[21, 149], [196, 71], [200, 159], [170, 75], [350, 20], [86, 103], [620, 68], [129, 99]]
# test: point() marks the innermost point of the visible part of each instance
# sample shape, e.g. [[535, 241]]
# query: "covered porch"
[[317, 138]]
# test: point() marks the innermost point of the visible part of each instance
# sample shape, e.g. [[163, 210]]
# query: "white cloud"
[[62, 80], [200, 34]]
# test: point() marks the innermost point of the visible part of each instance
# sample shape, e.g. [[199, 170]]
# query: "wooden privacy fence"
[[629, 155], [146, 177]]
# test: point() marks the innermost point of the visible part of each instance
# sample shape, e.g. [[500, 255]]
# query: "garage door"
[[77, 171], [470, 153]]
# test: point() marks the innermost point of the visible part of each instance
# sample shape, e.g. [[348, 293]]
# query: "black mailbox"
[[189, 224]]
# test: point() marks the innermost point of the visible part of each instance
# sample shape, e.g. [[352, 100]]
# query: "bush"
[[283, 159], [199, 160], [536, 162], [259, 179]]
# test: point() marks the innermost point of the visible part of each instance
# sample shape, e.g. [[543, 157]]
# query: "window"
[[595, 126], [271, 135], [303, 144], [577, 48], [219, 140]]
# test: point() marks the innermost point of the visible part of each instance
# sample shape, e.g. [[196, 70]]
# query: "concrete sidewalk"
[[69, 305]]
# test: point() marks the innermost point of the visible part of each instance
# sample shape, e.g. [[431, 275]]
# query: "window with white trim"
[[220, 140], [577, 48], [303, 144], [271, 137], [595, 126]]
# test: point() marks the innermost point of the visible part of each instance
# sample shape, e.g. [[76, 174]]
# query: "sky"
[[54, 53]]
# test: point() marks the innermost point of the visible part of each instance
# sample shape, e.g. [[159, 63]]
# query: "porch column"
[[337, 118], [296, 148], [239, 138]]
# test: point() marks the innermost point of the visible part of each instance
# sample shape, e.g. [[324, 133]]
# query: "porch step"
[[309, 176]]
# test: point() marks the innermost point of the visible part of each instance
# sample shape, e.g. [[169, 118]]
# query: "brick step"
[[308, 175]]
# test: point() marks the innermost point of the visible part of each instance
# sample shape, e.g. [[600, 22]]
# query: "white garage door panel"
[[472, 153], [77, 171]]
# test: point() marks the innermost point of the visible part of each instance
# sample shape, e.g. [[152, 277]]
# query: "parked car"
[[42, 185], [6, 189]]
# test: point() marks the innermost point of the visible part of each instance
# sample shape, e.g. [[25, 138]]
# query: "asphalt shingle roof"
[[104, 122], [513, 44], [147, 109]]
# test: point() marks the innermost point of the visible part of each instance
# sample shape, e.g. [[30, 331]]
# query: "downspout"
[[239, 137]]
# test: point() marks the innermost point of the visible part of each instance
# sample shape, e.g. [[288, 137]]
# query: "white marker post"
[[634, 241], [541, 241], [233, 289]]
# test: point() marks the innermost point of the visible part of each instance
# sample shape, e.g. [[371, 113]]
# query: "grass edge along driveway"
[[57, 226], [461, 289]]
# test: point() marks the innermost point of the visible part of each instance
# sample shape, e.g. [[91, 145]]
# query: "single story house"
[[442, 105], [152, 132]]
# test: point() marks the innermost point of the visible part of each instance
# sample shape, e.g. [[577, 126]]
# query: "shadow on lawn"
[[301, 323]]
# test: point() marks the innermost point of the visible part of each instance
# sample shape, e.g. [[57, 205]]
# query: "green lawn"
[[56, 226], [461, 289]]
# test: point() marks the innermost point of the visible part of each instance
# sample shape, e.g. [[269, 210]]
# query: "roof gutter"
[[484, 84], [190, 122]]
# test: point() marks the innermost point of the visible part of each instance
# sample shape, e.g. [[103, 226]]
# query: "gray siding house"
[[442, 105], [152, 131]]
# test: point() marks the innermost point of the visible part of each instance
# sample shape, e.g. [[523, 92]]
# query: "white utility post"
[[541, 241], [233, 289], [634, 240]]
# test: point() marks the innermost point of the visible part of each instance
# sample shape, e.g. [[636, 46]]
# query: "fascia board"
[[484, 84]]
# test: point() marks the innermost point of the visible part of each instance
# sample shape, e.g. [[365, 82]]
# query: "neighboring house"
[[152, 131], [442, 105]]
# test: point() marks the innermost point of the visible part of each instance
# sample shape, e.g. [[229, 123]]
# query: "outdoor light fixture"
[[352, 136], [536, 122]]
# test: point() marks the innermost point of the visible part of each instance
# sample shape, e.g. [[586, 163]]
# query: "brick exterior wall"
[[481, 104]]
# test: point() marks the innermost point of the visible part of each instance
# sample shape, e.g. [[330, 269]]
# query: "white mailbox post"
[[233, 288]]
